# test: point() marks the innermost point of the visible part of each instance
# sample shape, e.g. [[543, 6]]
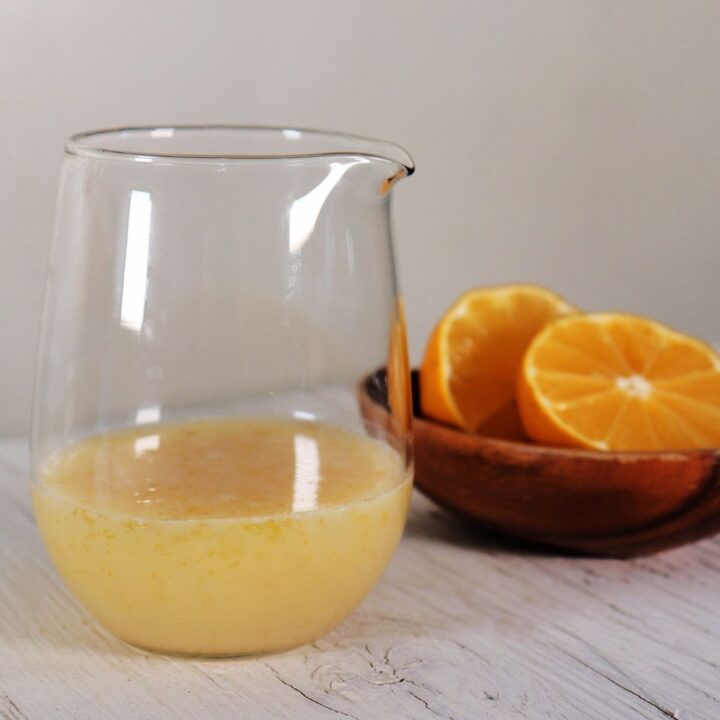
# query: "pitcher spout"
[[400, 162], [389, 183]]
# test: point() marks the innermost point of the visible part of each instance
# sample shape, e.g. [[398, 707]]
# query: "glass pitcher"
[[208, 478]]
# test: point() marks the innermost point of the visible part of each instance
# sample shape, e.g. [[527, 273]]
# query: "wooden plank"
[[462, 626]]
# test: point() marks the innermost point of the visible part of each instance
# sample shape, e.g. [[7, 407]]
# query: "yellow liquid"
[[222, 537]]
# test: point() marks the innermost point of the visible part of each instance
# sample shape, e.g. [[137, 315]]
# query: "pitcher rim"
[[81, 145]]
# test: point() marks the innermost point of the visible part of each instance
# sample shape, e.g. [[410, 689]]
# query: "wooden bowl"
[[607, 503]]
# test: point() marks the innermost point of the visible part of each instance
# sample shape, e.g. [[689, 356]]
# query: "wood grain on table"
[[461, 626]]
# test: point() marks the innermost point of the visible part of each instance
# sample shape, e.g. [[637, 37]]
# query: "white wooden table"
[[461, 626]]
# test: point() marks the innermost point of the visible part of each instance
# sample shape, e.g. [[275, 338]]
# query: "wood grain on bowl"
[[607, 503]]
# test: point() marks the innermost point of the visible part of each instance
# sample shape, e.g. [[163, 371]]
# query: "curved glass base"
[[223, 587]]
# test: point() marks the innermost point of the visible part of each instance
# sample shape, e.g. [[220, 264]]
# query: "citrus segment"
[[614, 381], [469, 371]]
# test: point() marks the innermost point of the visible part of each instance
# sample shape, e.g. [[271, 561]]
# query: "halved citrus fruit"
[[472, 359], [612, 381]]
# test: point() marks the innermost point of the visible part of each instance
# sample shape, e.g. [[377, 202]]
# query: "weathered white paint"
[[461, 626]]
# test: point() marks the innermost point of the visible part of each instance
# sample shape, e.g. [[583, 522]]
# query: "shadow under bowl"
[[616, 504]]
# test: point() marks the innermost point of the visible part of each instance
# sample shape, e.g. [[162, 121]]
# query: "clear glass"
[[209, 477]]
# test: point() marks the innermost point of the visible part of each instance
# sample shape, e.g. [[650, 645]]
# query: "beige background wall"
[[572, 143]]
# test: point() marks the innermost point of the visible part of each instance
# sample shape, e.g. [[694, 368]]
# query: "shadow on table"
[[430, 522]]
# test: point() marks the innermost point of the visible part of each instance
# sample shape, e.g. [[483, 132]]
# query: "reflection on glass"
[[148, 442], [307, 474], [137, 250], [148, 415], [303, 415], [163, 133], [304, 212]]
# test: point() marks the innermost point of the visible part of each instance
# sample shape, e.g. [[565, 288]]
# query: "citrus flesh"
[[468, 375], [614, 381]]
